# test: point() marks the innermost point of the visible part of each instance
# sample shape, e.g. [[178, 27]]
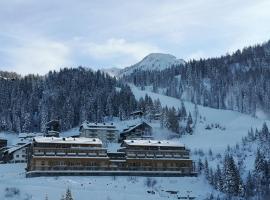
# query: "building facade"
[[16, 154], [106, 132], [86, 156], [62, 154], [154, 155]]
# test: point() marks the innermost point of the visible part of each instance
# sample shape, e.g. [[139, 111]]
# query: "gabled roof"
[[132, 127], [136, 112], [16, 148]]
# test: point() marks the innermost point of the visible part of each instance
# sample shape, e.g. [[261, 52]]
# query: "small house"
[[16, 154], [136, 114], [140, 130], [53, 128], [106, 132]]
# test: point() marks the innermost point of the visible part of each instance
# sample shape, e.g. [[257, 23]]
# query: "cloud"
[[115, 48], [110, 33], [36, 56]]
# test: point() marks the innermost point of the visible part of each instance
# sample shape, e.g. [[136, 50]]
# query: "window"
[[17, 156]]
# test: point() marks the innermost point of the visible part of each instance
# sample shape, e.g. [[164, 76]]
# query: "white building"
[[106, 132], [16, 154]]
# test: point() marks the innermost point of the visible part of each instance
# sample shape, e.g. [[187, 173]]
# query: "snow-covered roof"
[[130, 128], [136, 112], [16, 148], [29, 135], [68, 140], [98, 126], [164, 143]]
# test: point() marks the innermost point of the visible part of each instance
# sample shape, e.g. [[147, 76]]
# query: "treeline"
[[230, 178], [176, 120], [237, 82], [71, 95]]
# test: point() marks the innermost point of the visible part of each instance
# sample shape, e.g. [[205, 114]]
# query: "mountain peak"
[[154, 62]]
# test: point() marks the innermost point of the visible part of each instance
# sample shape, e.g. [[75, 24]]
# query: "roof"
[[29, 135], [98, 126], [68, 140], [16, 148], [136, 112], [130, 128], [163, 143]]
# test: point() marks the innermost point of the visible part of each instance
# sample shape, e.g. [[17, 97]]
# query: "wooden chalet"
[[137, 114], [53, 128], [140, 130]]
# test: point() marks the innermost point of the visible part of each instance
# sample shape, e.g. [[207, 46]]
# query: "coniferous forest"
[[237, 81], [71, 95]]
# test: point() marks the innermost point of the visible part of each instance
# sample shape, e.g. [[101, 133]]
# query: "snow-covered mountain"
[[154, 61], [114, 71]]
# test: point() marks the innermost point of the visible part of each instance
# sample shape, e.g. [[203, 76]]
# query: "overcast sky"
[[40, 35]]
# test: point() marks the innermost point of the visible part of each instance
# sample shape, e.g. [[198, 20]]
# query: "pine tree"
[[189, 124], [200, 166], [206, 169], [232, 180], [218, 179], [68, 195], [172, 121], [249, 186]]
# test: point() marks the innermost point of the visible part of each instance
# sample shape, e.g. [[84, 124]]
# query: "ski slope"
[[236, 124]]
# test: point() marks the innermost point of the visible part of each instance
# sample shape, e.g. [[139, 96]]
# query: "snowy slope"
[[101, 188], [114, 71], [121, 188], [154, 61], [236, 124]]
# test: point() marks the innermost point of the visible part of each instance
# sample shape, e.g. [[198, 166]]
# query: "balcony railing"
[[109, 168]]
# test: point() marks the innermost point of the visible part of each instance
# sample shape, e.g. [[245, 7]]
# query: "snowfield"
[[232, 127], [98, 188]]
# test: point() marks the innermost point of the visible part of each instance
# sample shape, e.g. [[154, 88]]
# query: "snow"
[[98, 126], [12, 138], [154, 61], [164, 143], [101, 188], [15, 148], [236, 124], [113, 72], [70, 140]]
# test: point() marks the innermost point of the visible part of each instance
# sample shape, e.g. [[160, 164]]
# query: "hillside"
[[235, 127], [236, 81]]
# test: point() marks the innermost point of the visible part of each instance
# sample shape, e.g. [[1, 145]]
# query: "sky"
[[37, 36]]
